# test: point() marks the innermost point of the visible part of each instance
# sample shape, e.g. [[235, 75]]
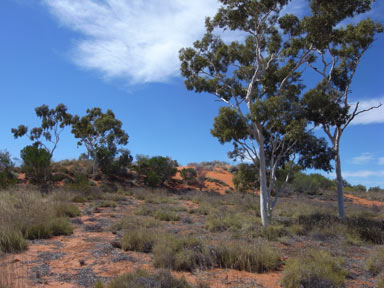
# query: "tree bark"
[[264, 195], [339, 182]]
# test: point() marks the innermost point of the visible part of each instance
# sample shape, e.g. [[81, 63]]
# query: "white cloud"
[[362, 159], [363, 174], [372, 116], [381, 161], [133, 39]]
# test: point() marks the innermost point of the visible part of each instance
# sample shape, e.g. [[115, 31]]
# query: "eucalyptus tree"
[[53, 122], [259, 81], [101, 134], [339, 50]]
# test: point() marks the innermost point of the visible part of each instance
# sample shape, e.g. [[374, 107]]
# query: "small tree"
[[189, 175], [7, 178], [339, 50], [53, 122], [156, 170], [36, 163], [101, 134], [245, 178]]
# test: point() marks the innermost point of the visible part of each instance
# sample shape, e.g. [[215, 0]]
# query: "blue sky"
[[122, 55]]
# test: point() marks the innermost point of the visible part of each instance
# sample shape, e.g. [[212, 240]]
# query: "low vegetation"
[[144, 279], [26, 214], [315, 268]]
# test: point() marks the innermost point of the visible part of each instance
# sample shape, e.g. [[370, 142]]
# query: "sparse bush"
[[144, 279], [138, 240], [315, 269], [156, 170], [375, 262], [257, 257], [36, 163]]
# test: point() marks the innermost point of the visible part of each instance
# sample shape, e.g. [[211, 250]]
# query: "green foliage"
[[53, 122], [259, 80], [101, 134], [49, 228], [36, 163], [189, 175], [375, 189], [375, 262], [139, 240], [7, 177], [366, 229], [311, 184], [314, 269], [360, 188], [67, 210], [12, 241], [144, 279], [257, 257], [181, 254], [246, 178], [156, 170]]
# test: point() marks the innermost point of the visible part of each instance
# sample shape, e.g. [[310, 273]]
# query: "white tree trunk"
[[264, 193], [339, 182]]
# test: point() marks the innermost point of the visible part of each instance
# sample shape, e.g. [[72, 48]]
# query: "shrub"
[[79, 199], [380, 283], [181, 254], [360, 188], [49, 228], [375, 189], [156, 170], [257, 257], [245, 178], [12, 241], [61, 226], [107, 204], [144, 279], [219, 222], [67, 210], [273, 232], [7, 177], [166, 215], [375, 262], [110, 164], [189, 175], [36, 163], [311, 184], [138, 240], [314, 269]]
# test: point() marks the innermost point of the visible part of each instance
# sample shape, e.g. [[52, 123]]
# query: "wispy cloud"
[[363, 173], [136, 40], [372, 116], [363, 158], [381, 161]]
